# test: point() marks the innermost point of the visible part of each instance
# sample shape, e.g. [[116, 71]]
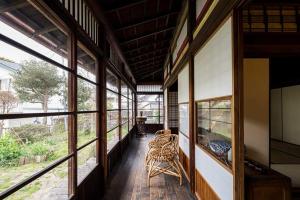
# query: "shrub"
[[10, 151], [40, 149], [30, 132]]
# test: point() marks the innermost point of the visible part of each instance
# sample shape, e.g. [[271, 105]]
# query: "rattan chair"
[[165, 159], [157, 142]]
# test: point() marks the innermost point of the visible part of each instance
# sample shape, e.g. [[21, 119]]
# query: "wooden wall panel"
[[203, 190], [185, 163]]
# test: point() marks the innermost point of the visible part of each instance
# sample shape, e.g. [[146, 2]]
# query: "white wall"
[[213, 65], [220, 180], [291, 114], [184, 144], [290, 170], [183, 85], [276, 114], [256, 109]]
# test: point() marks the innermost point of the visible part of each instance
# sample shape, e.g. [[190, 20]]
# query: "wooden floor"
[[129, 179]]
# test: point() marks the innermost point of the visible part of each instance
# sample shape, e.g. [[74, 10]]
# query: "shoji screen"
[[183, 99], [213, 79], [166, 109]]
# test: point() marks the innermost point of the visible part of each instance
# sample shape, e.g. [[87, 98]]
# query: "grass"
[[57, 143]]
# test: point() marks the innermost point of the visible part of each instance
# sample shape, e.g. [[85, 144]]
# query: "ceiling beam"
[[44, 30], [145, 62], [147, 53], [148, 59], [147, 35], [125, 6], [151, 74], [147, 69], [143, 21], [146, 46], [13, 6]]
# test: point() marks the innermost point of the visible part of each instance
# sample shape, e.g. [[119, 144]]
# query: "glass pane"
[[28, 145], [86, 95], [184, 118], [124, 103], [111, 82], [86, 130], [214, 128], [124, 89], [124, 129], [86, 161], [43, 37], [52, 185], [112, 119], [112, 138], [112, 100], [31, 85], [124, 116], [86, 64]]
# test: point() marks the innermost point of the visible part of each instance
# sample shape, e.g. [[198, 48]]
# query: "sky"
[[17, 55]]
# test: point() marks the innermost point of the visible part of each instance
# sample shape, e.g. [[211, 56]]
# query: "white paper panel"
[[219, 179], [183, 85], [213, 65], [290, 114], [199, 6], [184, 118], [181, 37], [291, 171], [184, 144], [276, 115]]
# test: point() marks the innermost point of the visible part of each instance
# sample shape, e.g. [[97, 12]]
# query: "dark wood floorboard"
[[129, 179]]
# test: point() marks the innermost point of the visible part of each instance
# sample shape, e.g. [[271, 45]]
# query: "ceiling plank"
[[13, 6], [148, 59], [147, 35], [143, 21], [167, 41], [145, 62], [148, 53], [151, 74], [44, 30], [125, 6]]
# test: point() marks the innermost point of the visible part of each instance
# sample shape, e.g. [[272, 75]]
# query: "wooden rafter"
[[147, 35], [143, 21], [165, 42], [13, 6], [148, 53], [44, 30], [125, 6], [149, 59]]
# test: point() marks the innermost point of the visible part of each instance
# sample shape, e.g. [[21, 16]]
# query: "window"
[[214, 127], [149, 88], [38, 123], [184, 119], [151, 107]]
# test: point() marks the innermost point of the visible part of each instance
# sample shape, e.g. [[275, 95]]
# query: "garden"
[[26, 149]]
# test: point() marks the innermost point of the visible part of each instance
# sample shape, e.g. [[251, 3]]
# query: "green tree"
[[37, 82]]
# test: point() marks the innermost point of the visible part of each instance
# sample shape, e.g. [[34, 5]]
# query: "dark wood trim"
[[192, 119], [147, 35], [72, 120], [238, 109], [150, 19]]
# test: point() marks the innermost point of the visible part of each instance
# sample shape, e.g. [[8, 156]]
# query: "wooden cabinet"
[[262, 183]]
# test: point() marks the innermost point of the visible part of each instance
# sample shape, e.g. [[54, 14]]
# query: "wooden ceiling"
[[144, 29]]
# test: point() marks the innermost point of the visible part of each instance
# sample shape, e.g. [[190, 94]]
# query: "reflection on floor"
[[129, 180], [282, 152]]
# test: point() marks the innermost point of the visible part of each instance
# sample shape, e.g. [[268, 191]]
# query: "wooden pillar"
[[238, 107], [72, 119], [191, 18]]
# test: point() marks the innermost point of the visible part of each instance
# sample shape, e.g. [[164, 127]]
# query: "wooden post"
[[238, 107], [191, 18], [72, 119]]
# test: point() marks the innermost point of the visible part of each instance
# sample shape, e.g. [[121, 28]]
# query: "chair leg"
[[150, 171]]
